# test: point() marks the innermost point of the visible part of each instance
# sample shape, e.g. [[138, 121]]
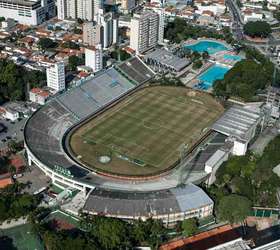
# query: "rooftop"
[[238, 122], [175, 200], [165, 57], [204, 240]]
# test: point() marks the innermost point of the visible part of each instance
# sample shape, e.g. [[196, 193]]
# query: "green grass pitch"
[[148, 126]]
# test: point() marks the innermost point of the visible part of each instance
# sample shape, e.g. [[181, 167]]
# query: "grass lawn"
[[147, 128], [23, 238]]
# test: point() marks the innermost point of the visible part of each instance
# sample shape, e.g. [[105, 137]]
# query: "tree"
[[244, 80], [111, 233], [205, 55], [74, 61], [189, 226], [257, 29], [197, 64], [77, 31], [234, 208], [2, 18], [46, 43], [70, 45]]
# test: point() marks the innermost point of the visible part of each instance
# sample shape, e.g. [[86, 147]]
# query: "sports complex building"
[[134, 150]]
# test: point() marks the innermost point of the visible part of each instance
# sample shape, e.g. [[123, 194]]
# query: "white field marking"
[[197, 101]]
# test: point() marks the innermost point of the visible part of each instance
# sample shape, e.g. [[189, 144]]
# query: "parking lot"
[[36, 178], [11, 131]]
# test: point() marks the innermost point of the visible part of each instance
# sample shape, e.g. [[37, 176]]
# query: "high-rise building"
[[83, 9], [92, 33], [94, 58], [56, 76], [160, 12], [144, 31], [127, 5], [109, 28], [71, 9], [30, 12], [61, 9]]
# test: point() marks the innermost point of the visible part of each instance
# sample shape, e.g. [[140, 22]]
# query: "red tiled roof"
[[204, 240], [17, 162], [5, 180]]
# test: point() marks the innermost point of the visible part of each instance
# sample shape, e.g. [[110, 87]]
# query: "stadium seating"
[[136, 70], [46, 128]]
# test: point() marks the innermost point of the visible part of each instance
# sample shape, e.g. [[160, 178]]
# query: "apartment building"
[[92, 33], [145, 31], [109, 29], [94, 58], [29, 12], [83, 9], [56, 76]]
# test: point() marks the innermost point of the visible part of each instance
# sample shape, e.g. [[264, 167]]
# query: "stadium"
[[104, 138]]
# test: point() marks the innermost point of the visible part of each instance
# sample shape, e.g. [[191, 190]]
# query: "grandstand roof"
[[175, 200], [136, 70], [238, 122], [166, 58]]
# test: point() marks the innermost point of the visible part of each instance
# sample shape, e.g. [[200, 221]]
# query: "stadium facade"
[[45, 145]]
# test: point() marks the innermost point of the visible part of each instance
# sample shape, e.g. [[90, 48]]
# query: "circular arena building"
[[81, 139]]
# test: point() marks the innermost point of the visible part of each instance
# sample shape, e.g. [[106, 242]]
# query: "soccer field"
[[142, 134]]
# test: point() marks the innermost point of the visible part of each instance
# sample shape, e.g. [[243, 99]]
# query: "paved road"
[[36, 178], [265, 137]]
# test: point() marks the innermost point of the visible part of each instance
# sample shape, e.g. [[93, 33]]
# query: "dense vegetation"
[[70, 45], [179, 30], [75, 61], [14, 80], [246, 180], [14, 203], [257, 29], [119, 54], [246, 77], [103, 233], [47, 43], [167, 81], [189, 226]]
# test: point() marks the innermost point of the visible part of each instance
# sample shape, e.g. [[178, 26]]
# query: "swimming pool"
[[210, 46], [212, 74], [233, 57]]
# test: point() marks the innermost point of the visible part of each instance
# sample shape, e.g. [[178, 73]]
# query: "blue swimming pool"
[[210, 46], [214, 73], [233, 57]]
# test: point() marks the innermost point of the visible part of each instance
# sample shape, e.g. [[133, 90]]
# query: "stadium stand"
[[165, 204], [92, 95], [136, 70], [44, 134]]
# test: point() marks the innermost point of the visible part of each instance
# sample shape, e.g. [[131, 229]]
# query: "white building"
[[94, 58], [56, 76], [239, 123], [61, 9], [83, 9], [30, 12], [109, 28], [38, 95], [144, 31], [252, 15]]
